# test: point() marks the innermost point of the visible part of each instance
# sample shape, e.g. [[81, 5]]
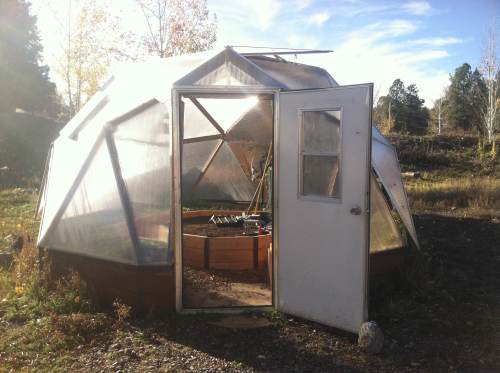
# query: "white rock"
[[370, 337]]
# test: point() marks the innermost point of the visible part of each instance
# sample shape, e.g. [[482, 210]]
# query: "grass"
[[17, 214], [479, 196]]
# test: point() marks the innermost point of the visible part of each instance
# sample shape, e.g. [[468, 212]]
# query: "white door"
[[323, 153]]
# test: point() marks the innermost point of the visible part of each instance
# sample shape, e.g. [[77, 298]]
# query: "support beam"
[[202, 138], [43, 185], [207, 115], [124, 197]]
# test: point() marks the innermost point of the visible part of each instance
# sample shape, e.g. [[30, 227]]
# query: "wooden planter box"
[[240, 252]]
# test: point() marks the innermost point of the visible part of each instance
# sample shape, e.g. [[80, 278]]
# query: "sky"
[[377, 41]]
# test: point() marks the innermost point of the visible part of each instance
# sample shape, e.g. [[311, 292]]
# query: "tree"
[[396, 109], [91, 41], [459, 105], [490, 71], [417, 115], [437, 114], [177, 26], [402, 109], [382, 115], [478, 102], [24, 81]]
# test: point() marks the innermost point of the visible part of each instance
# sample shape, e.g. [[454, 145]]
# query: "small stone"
[[370, 337]]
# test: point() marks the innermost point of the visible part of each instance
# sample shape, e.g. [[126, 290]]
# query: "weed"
[[122, 311], [277, 316]]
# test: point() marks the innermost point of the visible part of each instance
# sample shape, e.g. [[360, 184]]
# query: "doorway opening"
[[227, 145]]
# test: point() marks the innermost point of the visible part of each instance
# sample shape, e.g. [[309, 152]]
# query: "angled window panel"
[[196, 123], [252, 158], [94, 223], [142, 143], [229, 68], [250, 136], [229, 111], [228, 75], [66, 162], [87, 112], [195, 157], [384, 233], [225, 179], [386, 165], [255, 126]]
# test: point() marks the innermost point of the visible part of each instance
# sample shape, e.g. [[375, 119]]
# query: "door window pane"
[[320, 153], [320, 175], [321, 131]]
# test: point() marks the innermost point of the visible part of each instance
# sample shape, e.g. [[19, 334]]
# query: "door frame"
[[176, 189]]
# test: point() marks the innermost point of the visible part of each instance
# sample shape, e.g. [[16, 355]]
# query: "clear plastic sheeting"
[[227, 75], [386, 165], [228, 111], [384, 233], [195, 122], [224, 179], [143, 148], [120, 210], [65, 163], [93, 223], [294, 75], [195, 159], [254, 125]]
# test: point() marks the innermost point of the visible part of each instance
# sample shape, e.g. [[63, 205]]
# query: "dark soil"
[[201, 226], [225, 288]]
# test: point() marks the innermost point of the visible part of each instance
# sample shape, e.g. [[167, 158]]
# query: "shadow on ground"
[[443, 316], [440, 315]]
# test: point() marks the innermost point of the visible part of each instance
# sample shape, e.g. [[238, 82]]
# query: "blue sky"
[[419, 41]]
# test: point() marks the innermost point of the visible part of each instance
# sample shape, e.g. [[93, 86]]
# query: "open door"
[[324, 139]]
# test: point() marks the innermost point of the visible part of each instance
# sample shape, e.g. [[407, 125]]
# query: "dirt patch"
[[217, 288]]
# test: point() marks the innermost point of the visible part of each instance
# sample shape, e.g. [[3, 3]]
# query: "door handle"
[[356, 210]]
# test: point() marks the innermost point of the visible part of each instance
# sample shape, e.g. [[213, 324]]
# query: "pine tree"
[[459, 105], [24, 81], [405, 108]]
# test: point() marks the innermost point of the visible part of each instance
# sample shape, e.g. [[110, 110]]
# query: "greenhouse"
[[226, 179]]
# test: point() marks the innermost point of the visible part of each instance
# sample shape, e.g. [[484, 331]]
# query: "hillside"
[[24, 144]]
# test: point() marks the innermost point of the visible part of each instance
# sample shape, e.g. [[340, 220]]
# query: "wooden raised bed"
[[238, 252]]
